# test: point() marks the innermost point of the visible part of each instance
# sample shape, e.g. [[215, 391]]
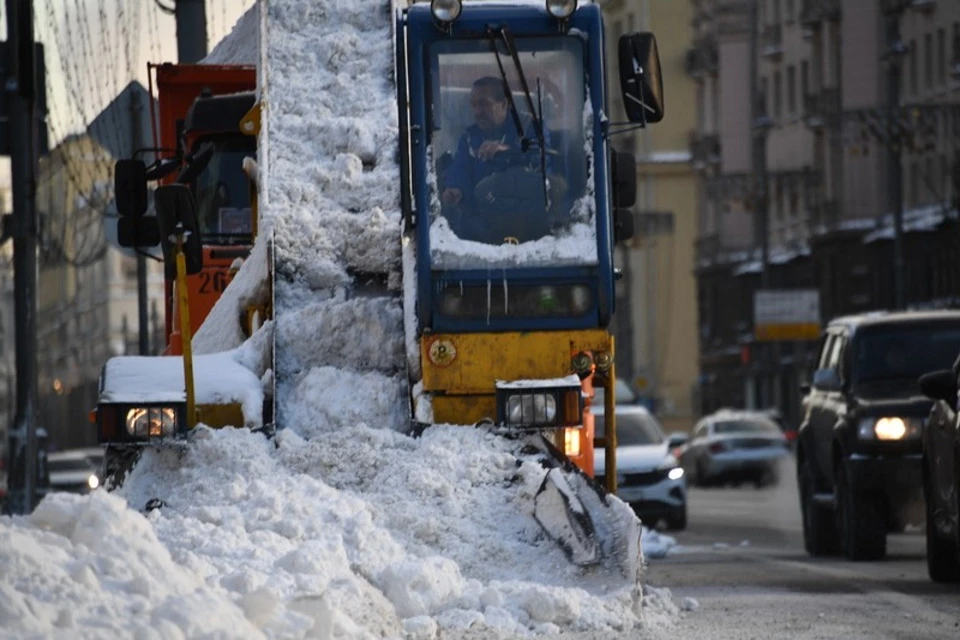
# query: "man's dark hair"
[[496, 85]]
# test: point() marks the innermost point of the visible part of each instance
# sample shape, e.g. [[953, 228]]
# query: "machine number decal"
[[442, 352], [214, 281]]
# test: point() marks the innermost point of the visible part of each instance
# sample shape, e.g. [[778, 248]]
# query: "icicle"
[[506, 292]]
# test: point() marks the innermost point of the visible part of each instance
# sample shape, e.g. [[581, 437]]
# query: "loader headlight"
[[561, 9], [890, 428], [532, 409], [536, 404], [151, 422], [446, 11]]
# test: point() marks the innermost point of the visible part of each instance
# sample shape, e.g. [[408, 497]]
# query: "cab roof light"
[[561, 9], [445, 11]]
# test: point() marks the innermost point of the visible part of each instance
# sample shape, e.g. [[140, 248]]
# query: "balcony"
[[813, 12], [822, 109], [704, 150], [771, 41], [703, 58]]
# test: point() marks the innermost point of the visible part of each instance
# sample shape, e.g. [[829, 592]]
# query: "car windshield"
[[745, 425], [492, 205], [902, 353], [69, 464], [632, 429]]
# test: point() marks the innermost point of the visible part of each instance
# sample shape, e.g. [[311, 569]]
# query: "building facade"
[[655, 325], [801, 139]]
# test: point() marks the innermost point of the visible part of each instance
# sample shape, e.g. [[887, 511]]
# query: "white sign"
[[786, 314]]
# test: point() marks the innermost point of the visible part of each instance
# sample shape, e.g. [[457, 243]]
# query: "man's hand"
[[491, 148], [451, 196]]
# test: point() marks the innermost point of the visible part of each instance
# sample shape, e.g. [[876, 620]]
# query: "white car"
[[75, 470], [649, 478], [734, 446]]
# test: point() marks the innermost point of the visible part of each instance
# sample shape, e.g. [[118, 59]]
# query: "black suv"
[[859, 444], [941, 475]]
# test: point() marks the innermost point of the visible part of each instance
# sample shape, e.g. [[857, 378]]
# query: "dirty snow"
[[338, 527]]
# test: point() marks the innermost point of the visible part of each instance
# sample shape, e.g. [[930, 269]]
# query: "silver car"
[[649, 478], [75, 470], [734, 447]]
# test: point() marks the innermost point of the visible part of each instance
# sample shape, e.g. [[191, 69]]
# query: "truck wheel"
[[819, 528], [943, 556], [861, 520]]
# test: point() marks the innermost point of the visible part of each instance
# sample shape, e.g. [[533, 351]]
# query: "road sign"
[[786, 314]]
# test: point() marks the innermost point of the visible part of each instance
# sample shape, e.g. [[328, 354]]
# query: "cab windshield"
[[501, 199], [222, 192]]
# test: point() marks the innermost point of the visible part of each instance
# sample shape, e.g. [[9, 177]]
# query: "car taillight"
[[717, 447]]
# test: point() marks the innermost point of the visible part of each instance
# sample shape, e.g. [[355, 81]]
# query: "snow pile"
[[340, 526], [240, 45], [656, 544]]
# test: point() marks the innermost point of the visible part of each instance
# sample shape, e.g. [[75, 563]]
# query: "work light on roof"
[[446, 11], [561, 9]]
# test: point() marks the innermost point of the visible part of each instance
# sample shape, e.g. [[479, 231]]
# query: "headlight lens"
[[446, 10], [93, 482], [889, 428], [561, 8], [532, 409], [151, 422], [675, 474]]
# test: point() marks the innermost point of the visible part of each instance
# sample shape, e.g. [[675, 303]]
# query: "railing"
[[815, 11], [822, 108], [704, 149], [772, 41], [703, 58]]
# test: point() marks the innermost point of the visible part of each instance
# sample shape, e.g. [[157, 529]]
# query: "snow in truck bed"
[[338, 527]]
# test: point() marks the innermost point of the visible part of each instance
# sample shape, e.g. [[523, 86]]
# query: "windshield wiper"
[[507, 38]]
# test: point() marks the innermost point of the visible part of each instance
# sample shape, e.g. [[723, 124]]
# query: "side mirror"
[[826, 380], [130, 187], [676, 439], [138, 232], [623, 225], [177, 213], [940, 385], [640, 79], [196, 163], [623, 173]]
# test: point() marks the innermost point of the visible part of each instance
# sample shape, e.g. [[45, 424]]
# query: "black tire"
[[677, 521], [943, 556], [819, 529], [701, 476], [861, 521]]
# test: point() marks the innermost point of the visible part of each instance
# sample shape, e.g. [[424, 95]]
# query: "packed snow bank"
[[90, 567], [338, 527]]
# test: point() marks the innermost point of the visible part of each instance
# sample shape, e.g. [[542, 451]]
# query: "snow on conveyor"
[[340, 527]]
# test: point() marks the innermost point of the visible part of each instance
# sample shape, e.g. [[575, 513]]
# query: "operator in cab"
[[495, 174]]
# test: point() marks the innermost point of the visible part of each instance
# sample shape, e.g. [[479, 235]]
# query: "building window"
[[791, 89], [913, 66], [776, 12], [789, 9], [914, 183], [804, 79], [928, 60], [941, 57], [776, 94]]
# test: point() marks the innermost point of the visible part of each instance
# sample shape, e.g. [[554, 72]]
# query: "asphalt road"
[[741, 572]]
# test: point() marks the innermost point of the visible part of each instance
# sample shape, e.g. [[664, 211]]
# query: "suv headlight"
[[671, 466], [889, 428]]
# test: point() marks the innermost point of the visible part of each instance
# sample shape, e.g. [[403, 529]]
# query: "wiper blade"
[[507, 38]]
